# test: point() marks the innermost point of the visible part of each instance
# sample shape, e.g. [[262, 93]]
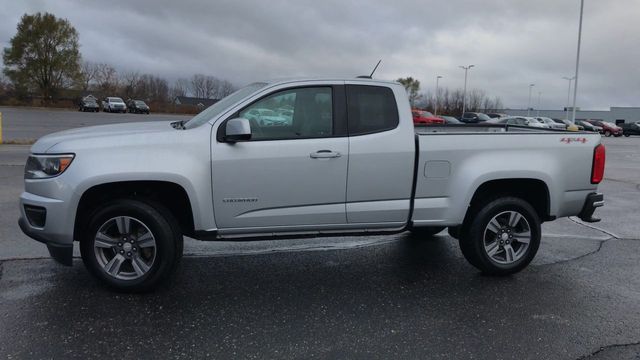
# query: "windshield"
[[140, 102], [115, 100], [217, 108]]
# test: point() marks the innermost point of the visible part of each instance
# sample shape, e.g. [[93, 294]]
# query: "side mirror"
[[237, 129]]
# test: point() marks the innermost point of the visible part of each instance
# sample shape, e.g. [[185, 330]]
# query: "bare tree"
[[180, 88], [89, 74], [107, 78], [225, 89], [130, 84]]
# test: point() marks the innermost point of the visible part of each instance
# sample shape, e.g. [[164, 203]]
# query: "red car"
[[425, 118], [608, 128]]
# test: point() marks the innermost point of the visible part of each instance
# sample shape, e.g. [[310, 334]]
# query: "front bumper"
[[56, 231], [593, 201], [59, 252]]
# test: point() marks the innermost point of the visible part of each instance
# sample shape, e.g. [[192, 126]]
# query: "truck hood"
[[101, 131]]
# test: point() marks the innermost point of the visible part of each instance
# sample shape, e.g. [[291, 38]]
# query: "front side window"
[[371, 109], [291, 114]]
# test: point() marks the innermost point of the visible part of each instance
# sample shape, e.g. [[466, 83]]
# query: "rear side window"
[[371, 109]]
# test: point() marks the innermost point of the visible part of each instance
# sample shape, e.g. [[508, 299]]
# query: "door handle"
[[325, 154]]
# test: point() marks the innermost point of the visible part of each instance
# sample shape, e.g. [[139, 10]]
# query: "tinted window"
[[371, 109], [291, 114]]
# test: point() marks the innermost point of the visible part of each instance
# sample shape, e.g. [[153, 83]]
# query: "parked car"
[[569, 125], [114, 104], [608, 128], [496, 115], [88, 104], [450, 119], [422, 117], [518, 120], [265, 117], [552, 124], [631, 129], [589, 126], [474, 117], [138, 107], [128, 193]]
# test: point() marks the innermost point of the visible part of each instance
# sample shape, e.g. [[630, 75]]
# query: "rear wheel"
[[607, 133], [502, 237], [131, 245], [627, 135]]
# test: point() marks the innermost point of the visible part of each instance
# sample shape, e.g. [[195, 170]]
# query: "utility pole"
[[568, 95], [575, 84], [464, 94], [529, 102], [435, 107], [538, 107]]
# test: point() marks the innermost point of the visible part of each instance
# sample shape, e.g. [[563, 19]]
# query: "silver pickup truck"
[[331, 157]]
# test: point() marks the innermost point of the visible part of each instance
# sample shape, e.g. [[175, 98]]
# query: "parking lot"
[[376, 297]]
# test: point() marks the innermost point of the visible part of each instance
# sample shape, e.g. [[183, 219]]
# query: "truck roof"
[[278, 81]]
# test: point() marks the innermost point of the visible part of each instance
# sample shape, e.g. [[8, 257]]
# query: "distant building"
[[615, 115], [193, 101]]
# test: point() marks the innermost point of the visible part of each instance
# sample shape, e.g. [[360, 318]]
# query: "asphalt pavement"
[[375, 297]]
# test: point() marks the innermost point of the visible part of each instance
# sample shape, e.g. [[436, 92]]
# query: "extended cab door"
[[293, 172], [382, 151]]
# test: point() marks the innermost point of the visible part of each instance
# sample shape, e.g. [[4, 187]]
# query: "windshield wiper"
[[178, 125]]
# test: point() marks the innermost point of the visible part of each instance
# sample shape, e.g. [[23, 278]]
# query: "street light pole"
[[538, 107], [464, 93], [529, 102], [435, 108], [568, 95], [575, 84]]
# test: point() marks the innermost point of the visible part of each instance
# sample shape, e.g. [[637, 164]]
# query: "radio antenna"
[[375, 68]]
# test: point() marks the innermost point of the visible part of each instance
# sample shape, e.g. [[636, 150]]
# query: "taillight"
[[597, 169]]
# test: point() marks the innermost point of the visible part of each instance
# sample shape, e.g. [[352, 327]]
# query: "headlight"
[[46, 166]]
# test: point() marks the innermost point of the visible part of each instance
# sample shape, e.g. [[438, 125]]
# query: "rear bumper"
[[593, 201]]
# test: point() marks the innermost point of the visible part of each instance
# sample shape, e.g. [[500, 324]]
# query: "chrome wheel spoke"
[[139, 266], [492, 248], [124, 224], [523, 237], [494, 225], [146, 240], [514, 218], [105, 241], [113, 266], [509, 253]]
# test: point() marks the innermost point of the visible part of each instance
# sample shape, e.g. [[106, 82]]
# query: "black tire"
[[607, 133], [162, 225], [627, 135], [428, 231], [472, 235]]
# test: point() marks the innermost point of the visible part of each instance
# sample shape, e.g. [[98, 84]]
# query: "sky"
[[512, 43]]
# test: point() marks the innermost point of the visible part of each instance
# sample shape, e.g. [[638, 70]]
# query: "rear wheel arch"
[[533, 191], [173, 197]]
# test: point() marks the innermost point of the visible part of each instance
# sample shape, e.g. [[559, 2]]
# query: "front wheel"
[[131, 245], [627, 135], [502, 236]]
